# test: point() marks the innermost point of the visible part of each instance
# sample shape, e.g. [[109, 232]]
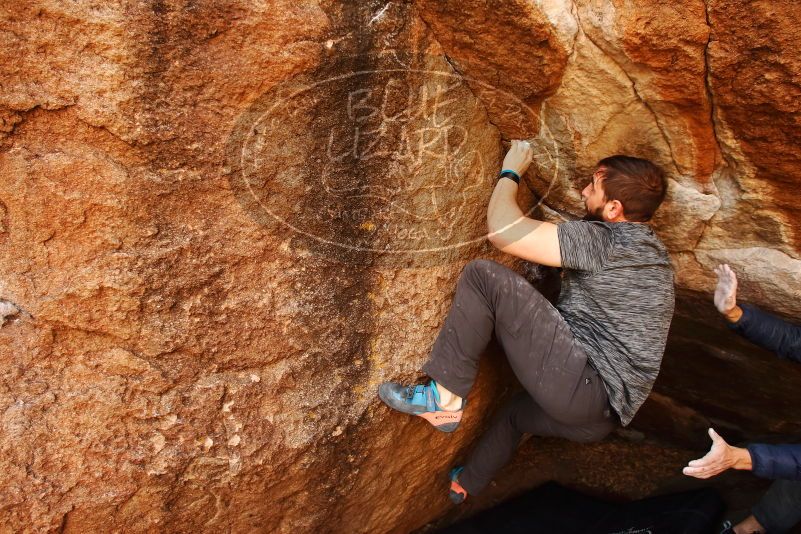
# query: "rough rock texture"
[[222, 224], [527, 59]]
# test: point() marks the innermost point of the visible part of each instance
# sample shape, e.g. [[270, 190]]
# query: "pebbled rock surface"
[[223, 224]]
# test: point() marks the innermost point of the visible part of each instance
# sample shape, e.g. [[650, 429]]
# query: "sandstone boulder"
[[223, 224]]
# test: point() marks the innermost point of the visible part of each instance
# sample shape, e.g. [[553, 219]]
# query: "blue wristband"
[[509, 173]]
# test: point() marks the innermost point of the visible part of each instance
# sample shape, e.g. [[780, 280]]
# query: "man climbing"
[[584, 364], [780, 508]]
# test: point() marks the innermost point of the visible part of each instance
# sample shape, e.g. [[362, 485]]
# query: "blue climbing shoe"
[[457, 493], [422, 401]]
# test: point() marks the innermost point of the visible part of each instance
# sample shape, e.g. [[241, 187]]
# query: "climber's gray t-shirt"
[[617, 296]]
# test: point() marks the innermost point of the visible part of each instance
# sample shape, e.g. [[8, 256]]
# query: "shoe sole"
[[456, 497], [443, 421]]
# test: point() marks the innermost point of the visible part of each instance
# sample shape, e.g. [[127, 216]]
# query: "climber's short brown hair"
[[636, 183]]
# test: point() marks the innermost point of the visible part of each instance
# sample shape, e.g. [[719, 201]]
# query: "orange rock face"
[[662, 49], [517, 53], [757, 81], [223, 224]]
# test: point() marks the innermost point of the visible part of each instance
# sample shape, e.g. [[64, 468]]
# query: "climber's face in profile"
[[594, 196], [624, 189]]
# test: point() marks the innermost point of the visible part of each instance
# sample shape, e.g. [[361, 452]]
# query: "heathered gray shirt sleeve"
[[584, 245], [617, 296]]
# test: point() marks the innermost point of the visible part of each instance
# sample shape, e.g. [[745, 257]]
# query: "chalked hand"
[[726, 289], [518, 158]]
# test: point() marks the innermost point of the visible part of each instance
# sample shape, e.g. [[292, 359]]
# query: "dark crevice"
[[708, 80], [713, 122]]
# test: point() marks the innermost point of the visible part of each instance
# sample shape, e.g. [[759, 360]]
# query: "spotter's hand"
[[726, 290], [519, 157], [721, 456]]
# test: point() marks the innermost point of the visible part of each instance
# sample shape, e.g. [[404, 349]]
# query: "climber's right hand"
[[519, 157]]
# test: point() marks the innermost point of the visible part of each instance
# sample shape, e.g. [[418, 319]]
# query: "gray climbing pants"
[[564, 396], [779, 510]]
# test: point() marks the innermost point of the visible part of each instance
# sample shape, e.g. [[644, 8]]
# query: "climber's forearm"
[[503, 209], [509, 230], [512, 232]]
